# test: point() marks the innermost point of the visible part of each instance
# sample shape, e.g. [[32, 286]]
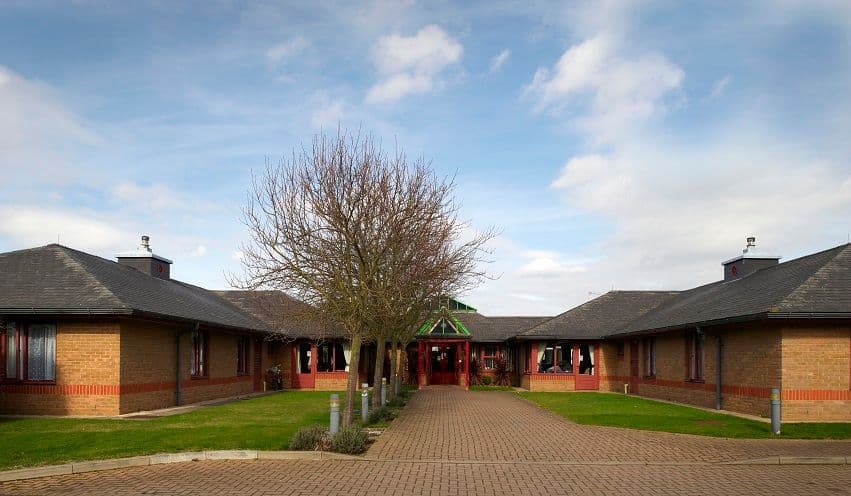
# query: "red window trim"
[[649, 346], [697, 375], [22, 331], [497, 350], [204, 372], [243, 355]]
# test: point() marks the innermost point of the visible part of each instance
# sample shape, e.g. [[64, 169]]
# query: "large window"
[[333, 357], [243, 355], [489, 356], [694, 355], [555, 357], [200, 352], [30, 352], [650, 357]]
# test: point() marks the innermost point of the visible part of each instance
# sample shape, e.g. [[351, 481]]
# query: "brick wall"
[[222, 380], [612, 367], [550, 382], [331, 381], [816, 370], [87, 374]]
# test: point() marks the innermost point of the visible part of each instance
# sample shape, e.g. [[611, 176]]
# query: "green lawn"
[[264, 423], [617, 410]]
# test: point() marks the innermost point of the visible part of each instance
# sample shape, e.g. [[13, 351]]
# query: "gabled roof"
[[58, 280], [282, 313], [495, 329], [599, 317], [817, 285]]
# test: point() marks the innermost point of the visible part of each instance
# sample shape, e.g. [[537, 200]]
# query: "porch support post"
[[533, 361], [314, 357], [421, 364], [466, 365]]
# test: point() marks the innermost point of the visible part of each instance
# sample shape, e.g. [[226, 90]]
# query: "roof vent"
[[144, 260], [748, 262]]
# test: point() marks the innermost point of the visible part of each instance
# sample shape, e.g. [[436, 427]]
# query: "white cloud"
[[411, 64], [720, 86], [499, 60], [328, 113], [37, 132], [613, 90], [199, 251], [28, 226], [155, 196], [286, 49]]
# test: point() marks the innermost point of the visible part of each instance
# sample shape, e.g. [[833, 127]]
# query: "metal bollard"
[[775, 411], [334, 424], [383, 391], [364, 402]]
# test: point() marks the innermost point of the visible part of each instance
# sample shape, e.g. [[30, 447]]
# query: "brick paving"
[[453, 442]]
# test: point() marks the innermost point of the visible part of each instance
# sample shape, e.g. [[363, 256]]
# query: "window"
[[30, 352], [555, 358], [200, 351], [650, 357], [621, 348], [243, 348], [332, 357], [586, 359], [694, 356], [489, 355]]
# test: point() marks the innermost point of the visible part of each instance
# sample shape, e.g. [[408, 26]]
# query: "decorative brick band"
[[552, 377], [750, 391], [332, 375], [115, 389]]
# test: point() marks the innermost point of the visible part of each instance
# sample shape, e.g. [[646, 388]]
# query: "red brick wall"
[[816, 371], [613, 368], [87, 374]]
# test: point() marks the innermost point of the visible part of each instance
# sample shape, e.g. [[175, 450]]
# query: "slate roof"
[[599, 317], [813, 286], [282, 313], [58, 280], [495, 329]]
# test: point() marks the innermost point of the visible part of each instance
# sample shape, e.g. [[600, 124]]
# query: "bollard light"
[[383, 391], [334, 424], [364, 402], [775, 411]]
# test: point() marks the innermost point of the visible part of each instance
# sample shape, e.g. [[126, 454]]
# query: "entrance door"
[[303, 376], [633, 366], [585, 359], [443, 361]]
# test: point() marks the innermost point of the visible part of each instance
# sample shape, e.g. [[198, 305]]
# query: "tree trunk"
[[394, 368], [352, 381], [380, 351]]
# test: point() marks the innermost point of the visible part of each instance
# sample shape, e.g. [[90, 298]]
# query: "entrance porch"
[[443, 361]]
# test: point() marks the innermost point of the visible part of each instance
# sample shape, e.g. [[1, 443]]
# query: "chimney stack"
[[748, 262], [144, 260]]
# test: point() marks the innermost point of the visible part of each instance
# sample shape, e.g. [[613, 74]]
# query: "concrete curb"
[[194, 456], [165, 458]]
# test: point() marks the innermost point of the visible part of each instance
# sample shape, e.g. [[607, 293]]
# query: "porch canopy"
[[443, 351]]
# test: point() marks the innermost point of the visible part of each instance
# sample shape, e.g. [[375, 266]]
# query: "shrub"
[[485, 380], [501, 373], [381, 414], [310, 438], [397, 402], [475, 372], [350, 440]]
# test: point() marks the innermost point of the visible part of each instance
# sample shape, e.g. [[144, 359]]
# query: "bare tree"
[[347, 229]]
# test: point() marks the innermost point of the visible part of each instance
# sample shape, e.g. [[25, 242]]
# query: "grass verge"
[[630, 412], [264, 423]]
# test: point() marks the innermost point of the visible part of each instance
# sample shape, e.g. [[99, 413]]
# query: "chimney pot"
[[748, 262]]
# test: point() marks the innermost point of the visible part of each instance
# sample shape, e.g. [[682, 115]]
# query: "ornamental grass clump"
[[350, 440], [311, 438]]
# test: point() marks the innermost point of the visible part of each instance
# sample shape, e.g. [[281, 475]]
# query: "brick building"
[[82, 335]]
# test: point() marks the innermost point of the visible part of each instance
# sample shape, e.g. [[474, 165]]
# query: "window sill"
[[28, 382], [199, 377], [696, 381]]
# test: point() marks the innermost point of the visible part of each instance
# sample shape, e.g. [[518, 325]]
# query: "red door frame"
[[304, 381], [462, 370], [586, 382]]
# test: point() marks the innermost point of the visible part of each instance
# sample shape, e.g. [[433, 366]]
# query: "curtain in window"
[[347, 352], [41, 353], [541, 348], [11, 352]]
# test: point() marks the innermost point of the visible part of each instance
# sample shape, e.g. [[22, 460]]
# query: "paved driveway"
[[449, 441]]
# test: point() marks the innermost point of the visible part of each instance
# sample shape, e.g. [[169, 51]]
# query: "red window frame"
[[21, 375], [695, 351], [243, 355], [200, 354], [486, 357], [649, 346]]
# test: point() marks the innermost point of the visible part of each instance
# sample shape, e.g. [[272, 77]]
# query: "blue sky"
[[625, 145]]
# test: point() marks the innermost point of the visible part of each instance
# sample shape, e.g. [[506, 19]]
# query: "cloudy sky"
[[616, 145]]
